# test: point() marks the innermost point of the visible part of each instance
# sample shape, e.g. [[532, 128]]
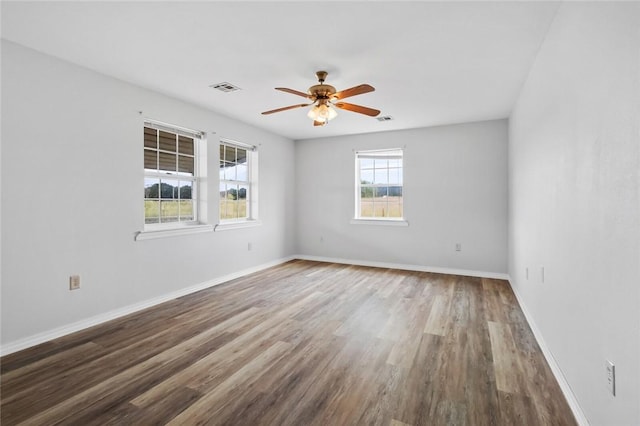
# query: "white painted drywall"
[[72, 184], [455, 191], [574, 202]]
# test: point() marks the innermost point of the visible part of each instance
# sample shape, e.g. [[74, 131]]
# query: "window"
[[238, 177], [379, 185], [170, 176]]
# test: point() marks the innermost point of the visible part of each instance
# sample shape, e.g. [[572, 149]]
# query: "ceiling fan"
[[324, 97]]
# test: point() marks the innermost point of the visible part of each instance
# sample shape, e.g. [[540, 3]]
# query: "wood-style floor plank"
[[303, 343], [506, 361]]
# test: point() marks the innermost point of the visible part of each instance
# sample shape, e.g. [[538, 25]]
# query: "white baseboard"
[[107, 316], [117, 313], [419, 268], [555, 368]]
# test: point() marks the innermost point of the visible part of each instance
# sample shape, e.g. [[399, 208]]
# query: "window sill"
[[380, 222], [172, 232], [227, 226]]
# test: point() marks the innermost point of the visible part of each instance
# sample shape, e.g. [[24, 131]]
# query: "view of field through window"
[[169, 165], [234, 182], [380, 184]]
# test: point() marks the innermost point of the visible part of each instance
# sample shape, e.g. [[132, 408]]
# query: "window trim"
[[237, 224], [252, 218], [173, 232], [384, 221], [380, 222], [198, 224]]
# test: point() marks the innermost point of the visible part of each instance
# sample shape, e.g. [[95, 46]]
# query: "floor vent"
[[384, 118], [225, 87]]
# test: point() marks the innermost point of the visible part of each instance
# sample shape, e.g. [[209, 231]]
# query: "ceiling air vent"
[[225, 87], [384, 118]]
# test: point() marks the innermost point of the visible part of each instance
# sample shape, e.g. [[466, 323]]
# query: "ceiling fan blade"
[[358, 108], [285, 108], [294, 92], [357, 90], [319, 123]]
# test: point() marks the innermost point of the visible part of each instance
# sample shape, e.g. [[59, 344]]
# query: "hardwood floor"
[[304, 343]]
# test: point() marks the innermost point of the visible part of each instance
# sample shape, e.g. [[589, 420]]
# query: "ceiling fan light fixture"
[[313, 113], [322, 113], [332, 113]]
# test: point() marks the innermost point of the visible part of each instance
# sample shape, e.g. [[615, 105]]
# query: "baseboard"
[[419, 268], [555, 368], [117, 313]]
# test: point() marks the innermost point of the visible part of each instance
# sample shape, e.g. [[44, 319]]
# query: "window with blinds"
[[170, 174], [379, 181]]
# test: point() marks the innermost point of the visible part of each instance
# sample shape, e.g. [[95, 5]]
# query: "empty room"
[[320, 213]]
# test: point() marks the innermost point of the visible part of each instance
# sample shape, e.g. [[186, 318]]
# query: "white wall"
[[574, 202], [455, 190], [71, 197]]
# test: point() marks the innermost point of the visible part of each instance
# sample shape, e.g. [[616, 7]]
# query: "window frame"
[[197, 222], [251, 183], [390, 153]]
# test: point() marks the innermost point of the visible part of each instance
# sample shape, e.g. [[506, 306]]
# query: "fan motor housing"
[[322, 91]]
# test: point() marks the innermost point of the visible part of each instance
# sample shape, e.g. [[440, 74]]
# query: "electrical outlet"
[[74, 282], [526, 273], [611, 377], [458, 247], [249, 246], [542, 274]]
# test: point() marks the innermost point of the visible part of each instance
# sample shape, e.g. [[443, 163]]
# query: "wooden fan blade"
[[285, 108], [319, 123], [294, 92], [358, 108], [357, 90]]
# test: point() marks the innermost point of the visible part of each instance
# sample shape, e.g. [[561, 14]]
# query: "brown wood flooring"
[[303, 343]]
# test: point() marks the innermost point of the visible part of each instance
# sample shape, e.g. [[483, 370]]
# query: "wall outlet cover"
[[74, 282], [611, 377]]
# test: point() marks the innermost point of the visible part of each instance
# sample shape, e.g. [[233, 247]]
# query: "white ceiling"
[[431, 63]]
